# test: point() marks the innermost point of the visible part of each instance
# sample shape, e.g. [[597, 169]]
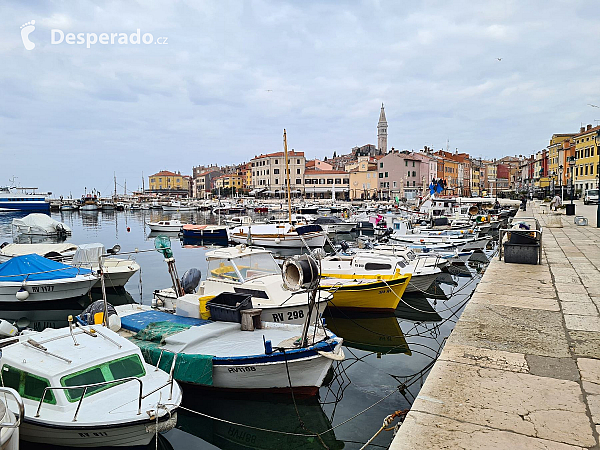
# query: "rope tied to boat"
[[401, 414]]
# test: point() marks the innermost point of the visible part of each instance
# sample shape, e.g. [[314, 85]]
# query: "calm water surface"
[[387, 356]]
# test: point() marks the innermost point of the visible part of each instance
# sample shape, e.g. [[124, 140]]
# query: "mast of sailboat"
[[115, 178], [287, 171]]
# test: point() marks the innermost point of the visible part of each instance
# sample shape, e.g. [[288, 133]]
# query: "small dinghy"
[[35, 278], [40, 225], [87, 387], [166, 225]]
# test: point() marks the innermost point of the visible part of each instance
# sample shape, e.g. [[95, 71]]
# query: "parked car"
[[591, 196]]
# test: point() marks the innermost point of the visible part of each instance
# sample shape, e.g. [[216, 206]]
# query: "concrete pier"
[[521, 370]]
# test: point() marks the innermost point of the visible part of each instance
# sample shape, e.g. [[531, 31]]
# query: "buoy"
[[128, 229], [22, 294]]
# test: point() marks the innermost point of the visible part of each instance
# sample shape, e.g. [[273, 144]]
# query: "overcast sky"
[[233, 75]]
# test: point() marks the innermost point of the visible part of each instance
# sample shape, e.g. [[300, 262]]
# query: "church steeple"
[[382, 132]]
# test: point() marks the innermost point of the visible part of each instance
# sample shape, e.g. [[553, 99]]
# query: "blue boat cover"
[[37, 268], [138, 321]]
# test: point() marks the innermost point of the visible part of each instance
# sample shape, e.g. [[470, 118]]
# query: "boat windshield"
[[256, 265], [125, 367], [223, 269]]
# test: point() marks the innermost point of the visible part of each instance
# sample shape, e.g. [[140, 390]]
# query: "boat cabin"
[[240, 264], [42, 366]]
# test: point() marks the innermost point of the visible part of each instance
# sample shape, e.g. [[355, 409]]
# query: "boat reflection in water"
[[202, 243], [54, 313], [416, 307], [377, 333], [265, 422]]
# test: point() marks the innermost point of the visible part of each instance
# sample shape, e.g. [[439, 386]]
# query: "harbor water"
[[388, 356]]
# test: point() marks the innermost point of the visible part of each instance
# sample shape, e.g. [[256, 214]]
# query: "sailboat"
[[281, 234]]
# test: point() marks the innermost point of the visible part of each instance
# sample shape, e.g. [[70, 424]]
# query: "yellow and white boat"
[[365, 292]]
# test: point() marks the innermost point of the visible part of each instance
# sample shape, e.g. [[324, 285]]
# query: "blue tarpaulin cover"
[[137, 322], [36, 268]]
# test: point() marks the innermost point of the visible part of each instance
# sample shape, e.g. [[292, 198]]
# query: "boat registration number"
[[385, 291], [42, 288], [288, 315]]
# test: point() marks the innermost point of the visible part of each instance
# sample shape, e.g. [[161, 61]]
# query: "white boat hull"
[[283, 241], [167, 228], [306, 374], [72, 435], [47, 290], [116, 277], [339, 227]]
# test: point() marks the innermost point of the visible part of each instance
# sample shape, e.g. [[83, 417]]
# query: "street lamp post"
[[572, 166], [560, 172]]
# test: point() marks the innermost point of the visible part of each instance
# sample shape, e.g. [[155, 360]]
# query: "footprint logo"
[[26, 30]]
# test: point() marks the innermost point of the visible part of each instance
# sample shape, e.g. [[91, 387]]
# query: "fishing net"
[[189, 368]]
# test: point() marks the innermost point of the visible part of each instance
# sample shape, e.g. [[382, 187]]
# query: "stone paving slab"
[[521, 370], [419, 431]]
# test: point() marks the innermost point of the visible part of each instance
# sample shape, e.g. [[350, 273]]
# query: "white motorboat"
[[40, 225], [221, 355], [280, 235], [236, 221], [332, 224], [62, 252], [89, 203], [117, 271], [34, 278], [252, 271], [165, 225], [379, 264], [176, 206], [87, 387]]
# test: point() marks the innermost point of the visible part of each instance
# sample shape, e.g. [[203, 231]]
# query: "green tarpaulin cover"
[[189, 368]]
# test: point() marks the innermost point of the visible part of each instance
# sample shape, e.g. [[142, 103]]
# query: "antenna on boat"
[[287, 170]]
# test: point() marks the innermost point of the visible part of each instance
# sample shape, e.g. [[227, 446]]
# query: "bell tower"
[[382, 132]]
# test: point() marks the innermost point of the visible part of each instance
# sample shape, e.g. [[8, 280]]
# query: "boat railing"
[[85, 387], [19, 400]]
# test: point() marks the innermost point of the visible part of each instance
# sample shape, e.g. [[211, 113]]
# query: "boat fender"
[[334, 356], [7, 329], [277, 241], [22, 294]]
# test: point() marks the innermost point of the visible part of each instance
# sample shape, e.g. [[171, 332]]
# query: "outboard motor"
[[190, 280], [89, 315], [344, 246]]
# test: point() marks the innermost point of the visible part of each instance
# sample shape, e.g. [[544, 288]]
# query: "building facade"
[[326, 184], [399, 174], [363, 179], [587, 143], [166, 182], [269, 172]]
